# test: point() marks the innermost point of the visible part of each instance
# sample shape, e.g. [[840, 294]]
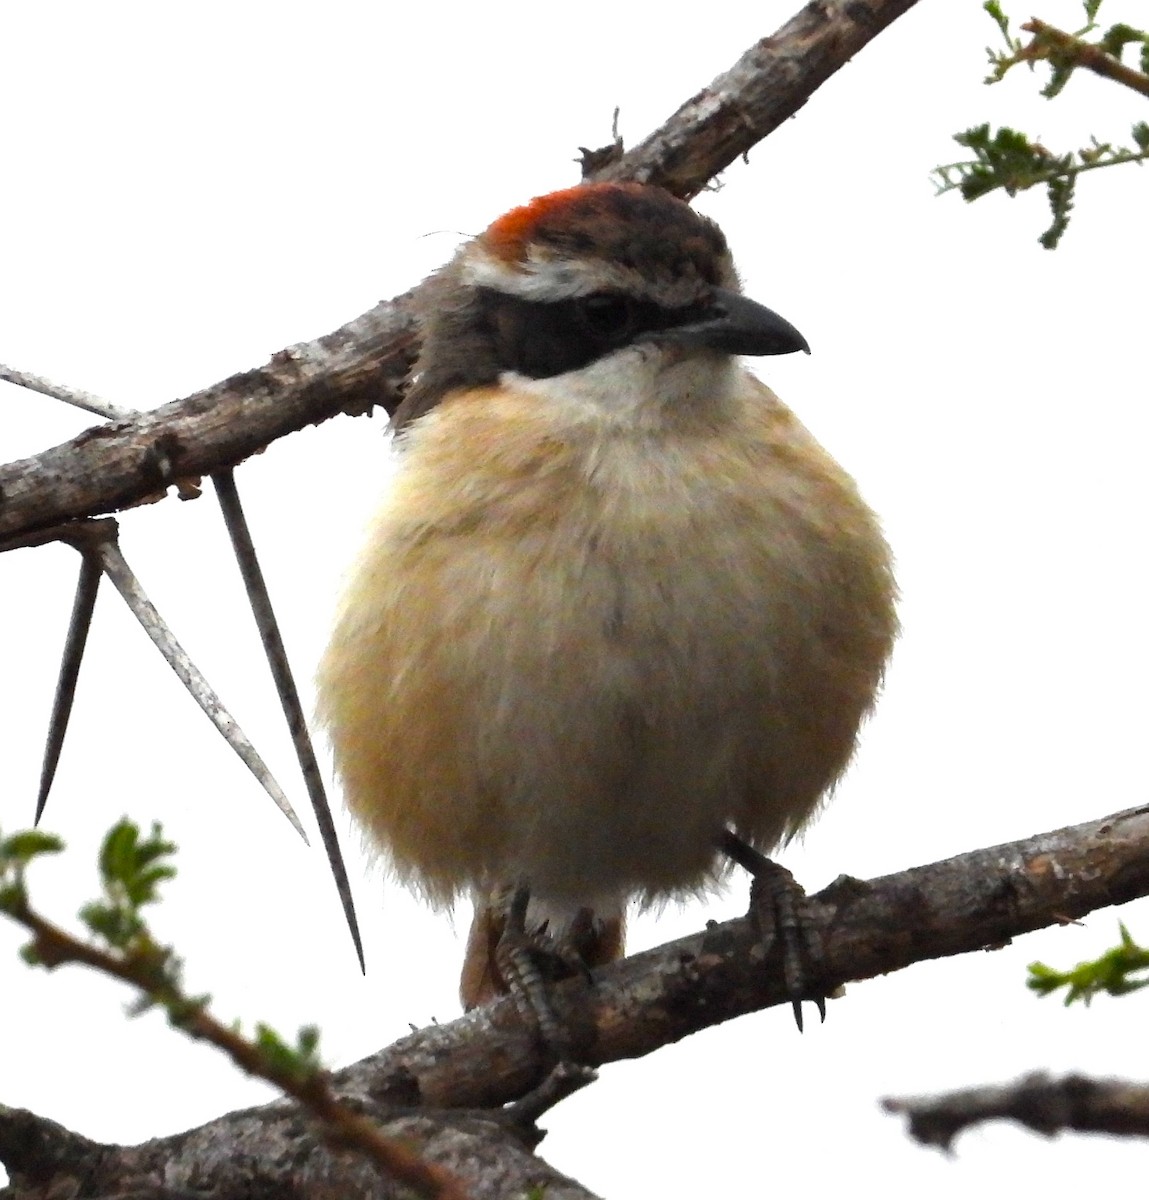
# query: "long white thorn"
[[69, 395], [116, 568]]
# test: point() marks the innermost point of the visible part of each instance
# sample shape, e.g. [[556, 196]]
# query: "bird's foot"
[[530, 962], [781, 913]]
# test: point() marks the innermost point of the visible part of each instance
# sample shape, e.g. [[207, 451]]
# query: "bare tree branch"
[[765, 87], [428, 1086], [365, 362], [976, 900], [281, 1159], [1037, 1101]]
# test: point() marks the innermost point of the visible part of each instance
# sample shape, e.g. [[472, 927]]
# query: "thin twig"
[[116, 568], [55, 947], [69, 395], [87, 586], [1078, 53], [277, 660], [564, 1080]]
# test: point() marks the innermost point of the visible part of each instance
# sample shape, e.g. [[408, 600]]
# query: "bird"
[[619, 617]]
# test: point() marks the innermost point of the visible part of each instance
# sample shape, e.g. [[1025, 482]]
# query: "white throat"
[[638, 387]]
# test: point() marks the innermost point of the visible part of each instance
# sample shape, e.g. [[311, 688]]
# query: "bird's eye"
[[605, 316]]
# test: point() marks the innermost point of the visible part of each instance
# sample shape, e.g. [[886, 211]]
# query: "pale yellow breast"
[[571, 654]]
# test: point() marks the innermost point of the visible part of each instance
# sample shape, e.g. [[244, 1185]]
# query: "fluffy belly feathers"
[[571, 658]]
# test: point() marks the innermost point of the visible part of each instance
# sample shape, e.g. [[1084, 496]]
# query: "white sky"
[[191, 187]]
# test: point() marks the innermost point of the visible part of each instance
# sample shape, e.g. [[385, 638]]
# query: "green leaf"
[[1112, 974], [994, 9], [31, 955], [20, 848], [1117, 37], [116, 925], [1060, 71], [1060, 193], [300, 1060], [133, 868], [118, 851], [13, 897]]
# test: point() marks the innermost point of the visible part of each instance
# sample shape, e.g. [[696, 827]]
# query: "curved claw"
[[517, 955], [780, 911]]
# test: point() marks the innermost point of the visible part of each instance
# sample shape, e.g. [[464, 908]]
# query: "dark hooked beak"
[[735, 325]]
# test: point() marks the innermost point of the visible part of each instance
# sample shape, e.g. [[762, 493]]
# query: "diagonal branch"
[[983, 898], [365, 362], [764, 88]]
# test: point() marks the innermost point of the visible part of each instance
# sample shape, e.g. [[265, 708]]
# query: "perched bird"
[[620, 615]]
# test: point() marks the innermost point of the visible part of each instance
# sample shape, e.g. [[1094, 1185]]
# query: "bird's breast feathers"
[[609, 632]]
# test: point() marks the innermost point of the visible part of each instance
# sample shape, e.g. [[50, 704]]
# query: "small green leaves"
[[1004, 159], [21, 848], [994, 9], [1060, 192], [16, 852], [1117, 37], [135, 866], [122, 947], [300, 1061], [1111, 974], [1011, 161], [131, 870], [1007, 160], [998, 61]]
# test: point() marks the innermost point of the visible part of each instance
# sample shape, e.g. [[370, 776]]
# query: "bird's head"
[[574, 277]]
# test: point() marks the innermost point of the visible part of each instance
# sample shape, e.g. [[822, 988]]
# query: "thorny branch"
[[138, 457], [456, 1076], [54, 947], [364, 363]]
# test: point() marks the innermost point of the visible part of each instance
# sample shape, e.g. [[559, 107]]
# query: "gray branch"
[[1047, 1106], [444, 1087], [365, 362]]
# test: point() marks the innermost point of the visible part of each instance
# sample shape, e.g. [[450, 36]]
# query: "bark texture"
[[445, 1087], [364, 363]]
